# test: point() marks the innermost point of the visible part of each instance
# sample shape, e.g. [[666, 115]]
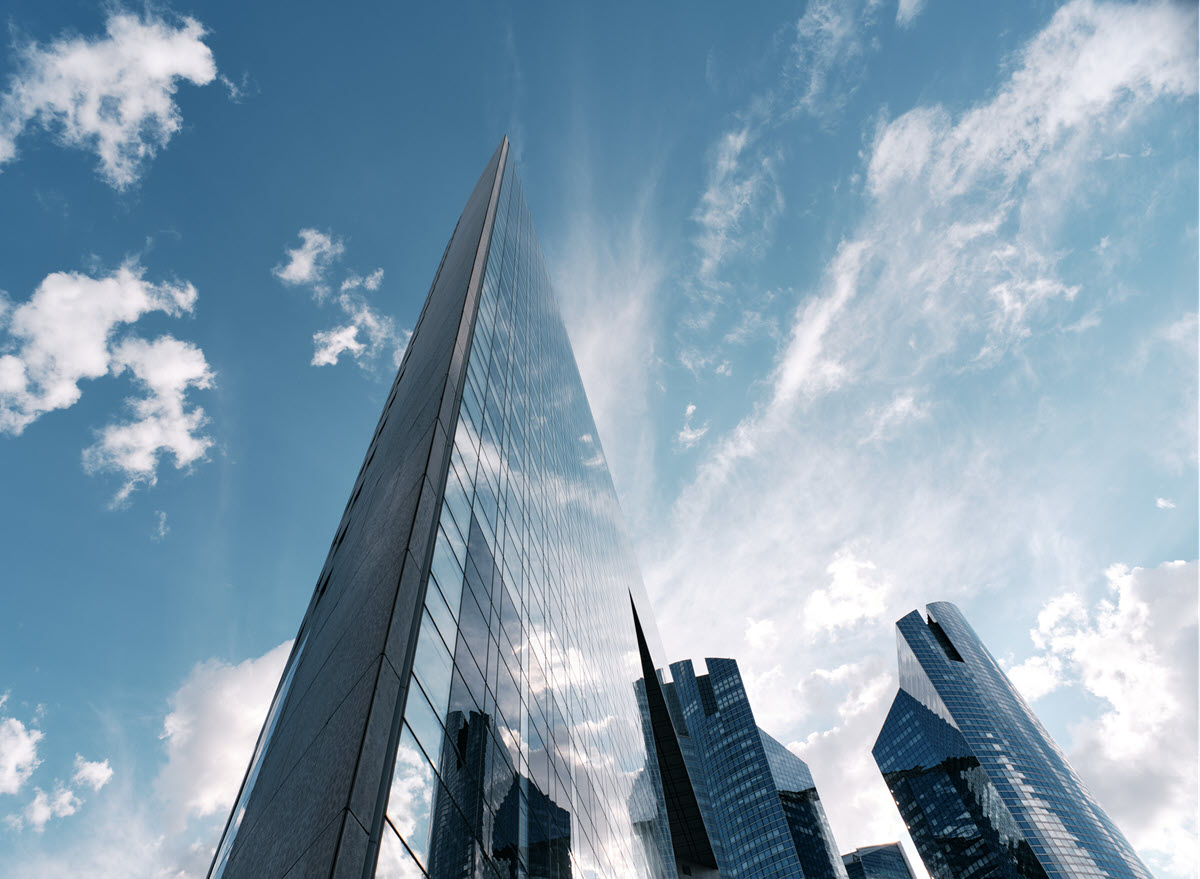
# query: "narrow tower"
[[459, 700]]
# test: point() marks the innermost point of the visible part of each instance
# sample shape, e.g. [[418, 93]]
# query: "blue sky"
[[876, 305]]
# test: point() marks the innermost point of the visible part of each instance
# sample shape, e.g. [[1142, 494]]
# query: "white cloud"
[[370, 282], [113, 95], [210, 733], [612, 310], [1037, 676], [826, 59], [308, 263], [761, 634], [368, 332], [330, 344], [935, 301], [170, 827], [18, 754], [165, 370], [690, 434], [63, 335], [855, 695], [743, 198], [740, 202], [161, 528], [93, 774], [907, 11], [59, 804], [854, 595], [886, 420], [1134, 651], [1164, 503]]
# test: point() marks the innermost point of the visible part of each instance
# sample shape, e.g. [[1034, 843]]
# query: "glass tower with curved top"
[[982, 786], [460, 699]]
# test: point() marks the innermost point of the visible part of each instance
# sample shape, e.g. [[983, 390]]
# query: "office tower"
[[460, 697], [980, 783], [737, 800], [878, 862]]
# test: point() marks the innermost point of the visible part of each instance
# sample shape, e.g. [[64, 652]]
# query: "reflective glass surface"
[[878, 862], [975, 774], [760, 805], [521, 752]]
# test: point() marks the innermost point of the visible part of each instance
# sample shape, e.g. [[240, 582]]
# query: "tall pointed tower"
[[460, 698], [983, 788]]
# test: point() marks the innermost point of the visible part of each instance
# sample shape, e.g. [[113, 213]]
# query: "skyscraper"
[[886, 861], [737, 801], [459, 700], [980, 783]]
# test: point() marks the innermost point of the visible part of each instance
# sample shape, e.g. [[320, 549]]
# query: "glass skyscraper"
[[461, 700], [982, 786], [886, 861], [737, 801]]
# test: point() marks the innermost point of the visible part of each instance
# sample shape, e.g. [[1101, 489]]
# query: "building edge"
[[450, 407], [346, 845]]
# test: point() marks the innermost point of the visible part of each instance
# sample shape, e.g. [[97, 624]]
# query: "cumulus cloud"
[[63, 335], [169, 827], [18, 761], [113, 95], [93, 774], [1135, 651], [368, 333], [761, 634], [1164, 503], [59, 804], [209, 734], [164, 370], [855, 594], [330, 344], [309, 263], [18, 753], [690, 434], [855, 697]]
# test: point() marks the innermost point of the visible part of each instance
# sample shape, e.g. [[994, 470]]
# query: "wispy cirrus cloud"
[[113, 95], [953, 283], [819, 69], [690, 434]]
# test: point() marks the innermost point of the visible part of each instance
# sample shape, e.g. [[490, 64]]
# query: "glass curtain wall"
[[521, 752]]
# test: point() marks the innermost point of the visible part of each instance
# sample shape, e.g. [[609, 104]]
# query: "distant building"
[[982, 786], [886, 861], [738, 803]]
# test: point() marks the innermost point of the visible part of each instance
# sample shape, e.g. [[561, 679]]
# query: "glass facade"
[[981, 785], [886, 861], [521, 752], [758, 799]]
